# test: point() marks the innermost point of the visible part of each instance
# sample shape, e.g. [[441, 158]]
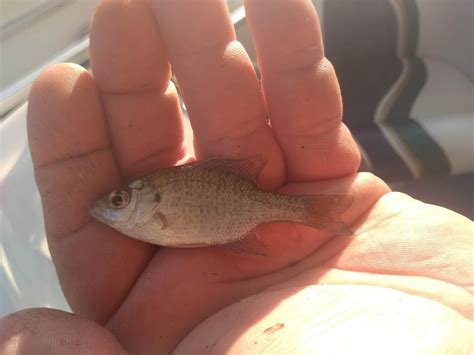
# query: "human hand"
[[87, 134]]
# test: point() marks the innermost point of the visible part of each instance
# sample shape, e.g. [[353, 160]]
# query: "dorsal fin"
[[248, 169]]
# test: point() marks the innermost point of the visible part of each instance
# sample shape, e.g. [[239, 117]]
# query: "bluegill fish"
[[213, 202]]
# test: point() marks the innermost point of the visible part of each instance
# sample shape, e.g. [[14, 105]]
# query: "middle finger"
[[218, 83]]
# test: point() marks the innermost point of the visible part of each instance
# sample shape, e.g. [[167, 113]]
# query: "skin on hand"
[[89, 133], [391, 290]]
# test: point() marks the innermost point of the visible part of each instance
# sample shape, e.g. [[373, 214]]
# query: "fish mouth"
[[100, 213], [96, 212]]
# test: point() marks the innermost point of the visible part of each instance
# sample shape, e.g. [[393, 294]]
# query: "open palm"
[[407, 265]]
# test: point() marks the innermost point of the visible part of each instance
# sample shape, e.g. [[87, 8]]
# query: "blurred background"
[[406, 70]]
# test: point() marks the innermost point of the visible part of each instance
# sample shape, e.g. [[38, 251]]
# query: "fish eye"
[[119, 199]]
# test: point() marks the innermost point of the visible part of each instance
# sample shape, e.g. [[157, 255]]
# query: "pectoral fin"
[[161, 220]]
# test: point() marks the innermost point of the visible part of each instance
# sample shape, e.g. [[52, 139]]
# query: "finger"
[[54, 332], [301, 90], [74, 164], [132, 71], [183, 287], [218, 83]]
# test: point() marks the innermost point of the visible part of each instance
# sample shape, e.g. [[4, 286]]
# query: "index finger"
[[74, 164]]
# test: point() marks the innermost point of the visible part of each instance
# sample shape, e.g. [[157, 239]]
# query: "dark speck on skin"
[[129, 125], [302, 147], [274, 328]]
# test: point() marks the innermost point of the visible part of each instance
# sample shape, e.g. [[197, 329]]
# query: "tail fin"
[[324, 212]]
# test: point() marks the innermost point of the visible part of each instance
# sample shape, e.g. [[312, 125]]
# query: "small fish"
[[213, 202]]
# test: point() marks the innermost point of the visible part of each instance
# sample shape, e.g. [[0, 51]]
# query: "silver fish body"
[[209, 203]]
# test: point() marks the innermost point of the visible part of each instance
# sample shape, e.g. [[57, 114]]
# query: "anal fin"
[[249, 244]]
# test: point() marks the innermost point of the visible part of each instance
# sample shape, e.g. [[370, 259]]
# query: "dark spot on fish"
[[302, 147], [255, 342], [157, 197], [274, 328], [129, 125], [238, 145], [215, 274]]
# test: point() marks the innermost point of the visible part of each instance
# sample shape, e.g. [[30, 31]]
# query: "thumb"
[[50, 331]]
